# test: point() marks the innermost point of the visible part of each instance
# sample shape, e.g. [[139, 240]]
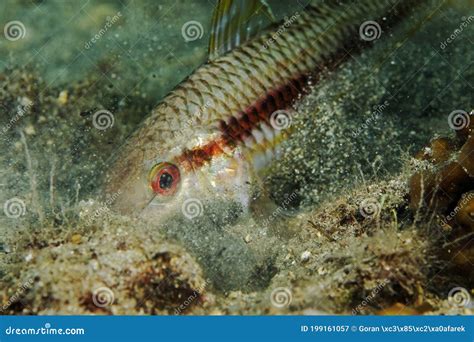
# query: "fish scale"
[[227, 103]]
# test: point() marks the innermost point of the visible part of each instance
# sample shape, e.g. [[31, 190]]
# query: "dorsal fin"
[[236, 21]]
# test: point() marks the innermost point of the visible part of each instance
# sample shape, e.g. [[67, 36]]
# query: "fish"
[[214, 135]]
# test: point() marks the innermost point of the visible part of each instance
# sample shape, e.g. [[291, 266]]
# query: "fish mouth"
[[138, 200], [133, 197], [156, 211]]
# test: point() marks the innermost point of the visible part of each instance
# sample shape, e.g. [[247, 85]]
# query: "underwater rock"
[[462, 245], [465, 216], [444, 186], [447, 173], [107, 266], [465, 156], [168, 281], [398, 309]]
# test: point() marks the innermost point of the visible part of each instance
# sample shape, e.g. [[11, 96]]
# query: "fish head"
[[159, 172]]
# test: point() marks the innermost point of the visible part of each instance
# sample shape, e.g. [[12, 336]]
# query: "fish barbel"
[[218, 129]]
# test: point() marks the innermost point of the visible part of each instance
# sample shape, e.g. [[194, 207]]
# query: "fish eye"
[[164, 178]]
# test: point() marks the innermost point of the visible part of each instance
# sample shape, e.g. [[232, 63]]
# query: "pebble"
[[4, 248], [30, 130], [305, 256], [76, 239], [29, 257], [63, 97]]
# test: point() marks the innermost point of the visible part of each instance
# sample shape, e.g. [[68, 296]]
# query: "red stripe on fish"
[[236, 129], [197, 157]]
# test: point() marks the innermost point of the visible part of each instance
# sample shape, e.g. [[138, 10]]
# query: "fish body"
[[217, 130]]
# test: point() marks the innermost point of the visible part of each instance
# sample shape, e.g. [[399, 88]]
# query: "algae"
[[349, 242]]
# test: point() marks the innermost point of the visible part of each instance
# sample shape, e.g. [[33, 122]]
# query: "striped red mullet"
[[226, 105]]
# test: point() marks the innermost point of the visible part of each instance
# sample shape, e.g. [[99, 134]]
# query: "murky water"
[[62, 61]]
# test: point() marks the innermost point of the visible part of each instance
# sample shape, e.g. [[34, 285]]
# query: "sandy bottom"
[[347, 241]]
